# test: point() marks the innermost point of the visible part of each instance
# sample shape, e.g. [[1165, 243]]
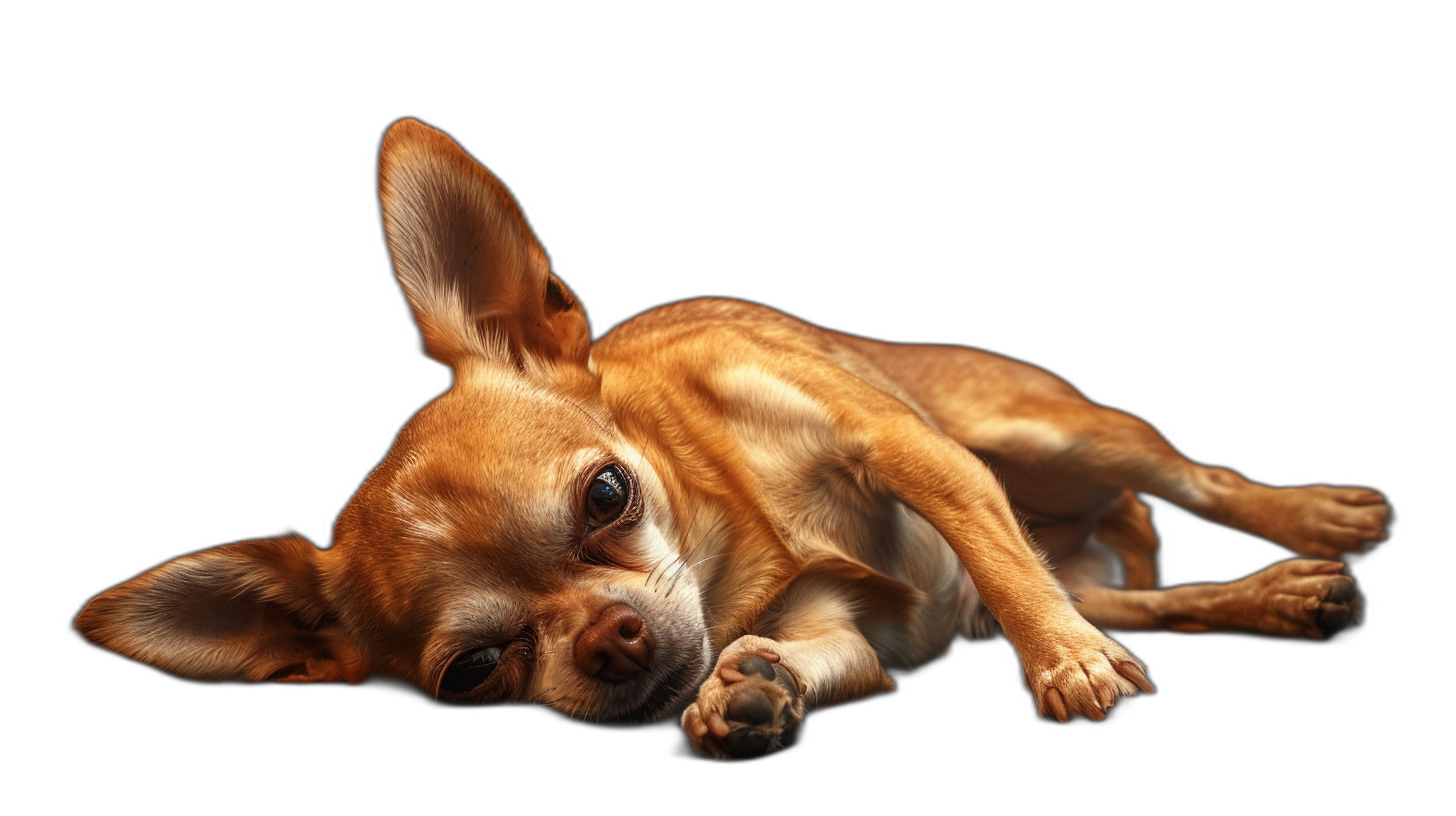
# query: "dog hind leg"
[[1127, 529], [1300, 597], [1037, 430]]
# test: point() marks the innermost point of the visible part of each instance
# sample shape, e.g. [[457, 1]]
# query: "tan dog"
[[593, 525]]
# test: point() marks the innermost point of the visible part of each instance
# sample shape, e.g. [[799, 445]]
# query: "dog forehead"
[[495, 458], [513, 456], [501, 408]]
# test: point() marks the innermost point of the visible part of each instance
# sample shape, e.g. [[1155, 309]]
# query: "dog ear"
[[479, 283], [253, 610]]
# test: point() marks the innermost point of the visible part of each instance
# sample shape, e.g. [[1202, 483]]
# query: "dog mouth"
[[667, 694], [641, 657], [617, 679], [665, 688]]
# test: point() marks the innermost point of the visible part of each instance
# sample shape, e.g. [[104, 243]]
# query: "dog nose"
[[615, 648]]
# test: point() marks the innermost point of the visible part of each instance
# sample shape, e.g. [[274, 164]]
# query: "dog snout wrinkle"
[[617, 647]]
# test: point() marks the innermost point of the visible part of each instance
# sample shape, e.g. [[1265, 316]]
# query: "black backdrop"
[[1219, 254]]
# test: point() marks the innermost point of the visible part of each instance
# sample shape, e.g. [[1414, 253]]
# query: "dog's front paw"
[[1078, 670], [750, 706]]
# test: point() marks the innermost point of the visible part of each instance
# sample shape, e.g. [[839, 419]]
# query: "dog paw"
[[1326, 522], [1079, 670], [1301, 597], [750, 706]]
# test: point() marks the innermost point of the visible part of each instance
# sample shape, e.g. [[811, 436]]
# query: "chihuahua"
[[717, 509]]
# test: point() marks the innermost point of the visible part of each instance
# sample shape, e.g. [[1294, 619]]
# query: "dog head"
[[514, 544]]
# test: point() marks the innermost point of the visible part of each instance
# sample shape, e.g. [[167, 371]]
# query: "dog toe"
[[753, 664], [1333, 618], [1342, 592]]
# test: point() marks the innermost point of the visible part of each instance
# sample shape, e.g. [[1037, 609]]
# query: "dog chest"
[[824, 504]]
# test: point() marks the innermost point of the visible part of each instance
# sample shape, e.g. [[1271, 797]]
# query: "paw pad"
[[764, 712], [754, 664], [1333, 620], [752, 707]]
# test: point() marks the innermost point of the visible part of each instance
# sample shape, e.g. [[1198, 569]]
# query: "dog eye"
[[607, 497], [468, 671]]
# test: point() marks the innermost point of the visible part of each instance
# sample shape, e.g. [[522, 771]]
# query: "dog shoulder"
[[737, 391], [731, 371], [730, 349]]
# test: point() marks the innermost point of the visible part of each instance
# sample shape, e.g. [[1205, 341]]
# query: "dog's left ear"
[[478, 281], [254, 610]]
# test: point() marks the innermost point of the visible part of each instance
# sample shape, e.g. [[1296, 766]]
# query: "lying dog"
[[714, 484]]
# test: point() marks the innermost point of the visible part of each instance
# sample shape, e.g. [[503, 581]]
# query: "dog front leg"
[[757, 695], [1070, 666]]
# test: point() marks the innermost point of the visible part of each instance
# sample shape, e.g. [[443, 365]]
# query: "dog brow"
[[480, 614]]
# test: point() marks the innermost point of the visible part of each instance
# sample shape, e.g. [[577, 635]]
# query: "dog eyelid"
[[611, 495], [472, 668]]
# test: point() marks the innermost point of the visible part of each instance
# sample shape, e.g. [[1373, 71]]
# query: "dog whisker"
[[670, 565], [660, 562], [680, 572], [702, 540], [668, 562], [696, 509], [682, 559]]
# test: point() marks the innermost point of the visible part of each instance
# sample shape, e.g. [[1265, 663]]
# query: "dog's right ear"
[[254, 610], [478, 281]]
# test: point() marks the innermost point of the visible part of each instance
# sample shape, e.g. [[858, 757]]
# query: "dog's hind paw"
[[1301, 597], [1322, 521], [749, 707]]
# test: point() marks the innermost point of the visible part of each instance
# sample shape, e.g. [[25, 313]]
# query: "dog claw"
[[1055, 705], [1135, 673], [718, 725]]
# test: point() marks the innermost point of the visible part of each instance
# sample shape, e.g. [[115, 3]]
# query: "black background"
[[1225, 249]]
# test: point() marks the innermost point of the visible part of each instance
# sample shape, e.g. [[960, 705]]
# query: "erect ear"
[[473, 272], [253, 610]]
